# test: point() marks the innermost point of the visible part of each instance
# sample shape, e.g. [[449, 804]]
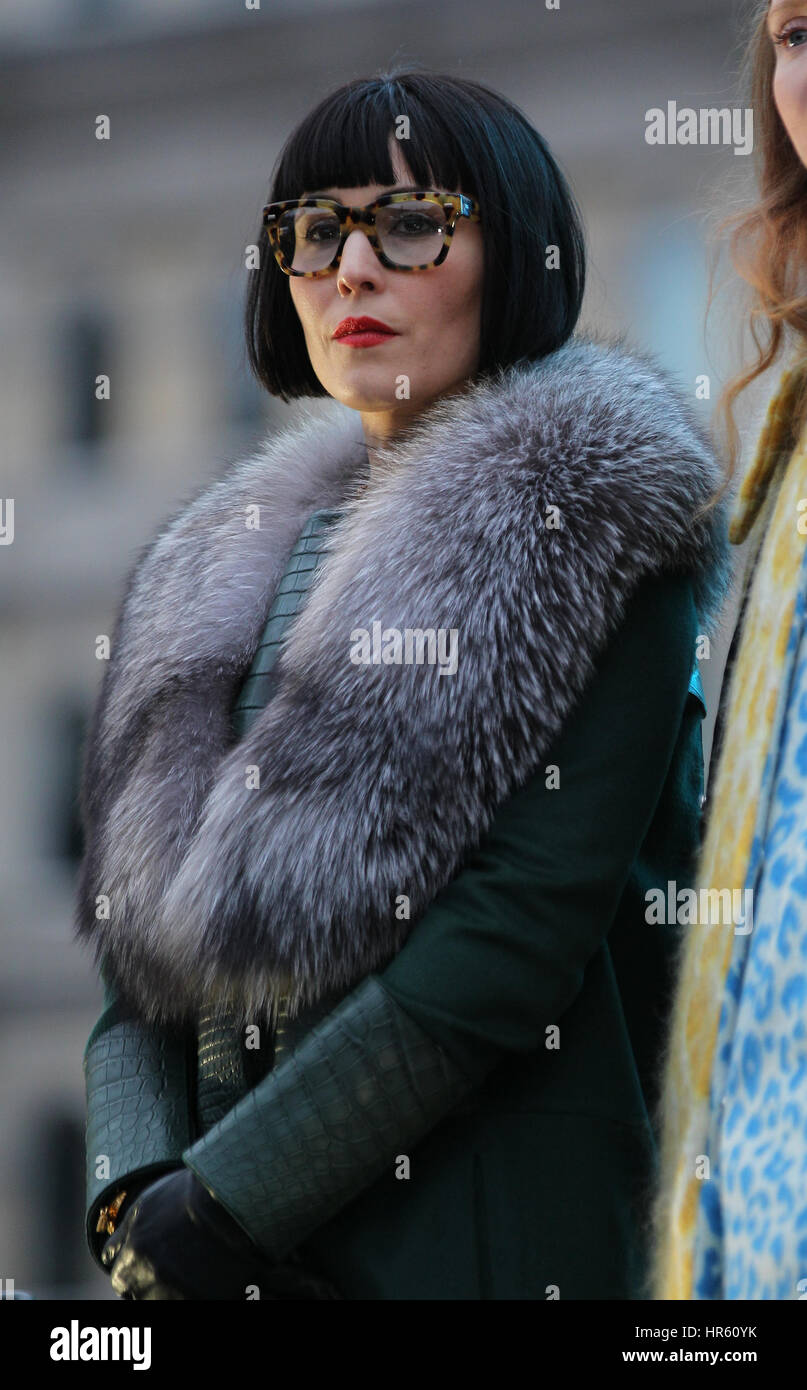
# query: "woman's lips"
[[368, 337], [363, 331]]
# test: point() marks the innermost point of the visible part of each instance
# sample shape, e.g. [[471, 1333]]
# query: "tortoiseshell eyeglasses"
[[407, 231]]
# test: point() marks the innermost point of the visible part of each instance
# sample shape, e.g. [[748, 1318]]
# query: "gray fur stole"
[[522, 514]]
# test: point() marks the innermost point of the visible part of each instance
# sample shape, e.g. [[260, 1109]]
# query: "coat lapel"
[[520, 514]]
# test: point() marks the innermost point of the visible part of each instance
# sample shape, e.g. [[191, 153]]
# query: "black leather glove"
[[176, 1241], [182, 1244], [133, 1188]]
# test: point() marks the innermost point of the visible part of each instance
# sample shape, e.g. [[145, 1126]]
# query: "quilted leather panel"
[[137, 1108], [364, 1084]]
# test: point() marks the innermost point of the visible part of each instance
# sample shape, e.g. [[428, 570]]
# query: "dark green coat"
[[536, 1183]]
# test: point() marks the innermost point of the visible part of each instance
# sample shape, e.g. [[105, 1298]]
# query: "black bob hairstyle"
[[466, 138]]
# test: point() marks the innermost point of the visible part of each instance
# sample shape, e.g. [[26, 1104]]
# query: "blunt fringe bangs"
[[462, 136]]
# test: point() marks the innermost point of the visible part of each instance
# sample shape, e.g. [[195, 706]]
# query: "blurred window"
[[85, 346]]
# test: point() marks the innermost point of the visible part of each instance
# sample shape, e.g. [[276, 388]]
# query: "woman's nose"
[[359, 262]]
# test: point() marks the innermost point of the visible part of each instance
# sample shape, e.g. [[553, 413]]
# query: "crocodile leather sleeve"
[[363, 1084], [138, 1119]]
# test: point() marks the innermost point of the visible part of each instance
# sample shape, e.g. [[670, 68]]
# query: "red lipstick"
[[363, 332]]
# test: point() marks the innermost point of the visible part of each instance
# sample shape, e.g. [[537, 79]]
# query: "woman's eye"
[[413, 224], [321, 231], [787, 34]]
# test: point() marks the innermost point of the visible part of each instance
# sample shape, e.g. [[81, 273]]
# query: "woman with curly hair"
[[731, 1211]]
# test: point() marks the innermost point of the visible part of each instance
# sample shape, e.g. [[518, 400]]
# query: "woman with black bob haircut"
[[398, 746], [463, 136]]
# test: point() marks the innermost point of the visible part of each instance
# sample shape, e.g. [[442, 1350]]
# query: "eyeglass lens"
[[410, 233]]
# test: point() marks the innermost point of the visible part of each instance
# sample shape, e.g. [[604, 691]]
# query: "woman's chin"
[[367, 395]]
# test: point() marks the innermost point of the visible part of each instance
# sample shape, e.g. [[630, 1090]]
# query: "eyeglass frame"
[[363, 218]]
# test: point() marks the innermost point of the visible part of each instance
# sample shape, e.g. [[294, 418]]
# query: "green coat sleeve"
[[138, 1107], [498, 955]]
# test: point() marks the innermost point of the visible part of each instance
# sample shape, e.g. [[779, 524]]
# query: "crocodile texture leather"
[[220, 1065], [137, 1111], [289, 1032], [363, 1085], [226, 1068], [290, 595]]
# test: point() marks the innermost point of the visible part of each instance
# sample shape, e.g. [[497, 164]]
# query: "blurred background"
[[126, 257]]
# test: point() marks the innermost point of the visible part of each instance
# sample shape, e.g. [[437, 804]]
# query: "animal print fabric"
[[751, 1230], [714, 1031]]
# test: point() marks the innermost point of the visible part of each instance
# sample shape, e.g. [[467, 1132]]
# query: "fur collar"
[[375, 780]]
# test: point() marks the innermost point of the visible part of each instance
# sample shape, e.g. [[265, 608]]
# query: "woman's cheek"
[[790, 97]]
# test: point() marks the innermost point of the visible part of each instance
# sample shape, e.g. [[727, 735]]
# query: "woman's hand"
[[177, 1242]]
